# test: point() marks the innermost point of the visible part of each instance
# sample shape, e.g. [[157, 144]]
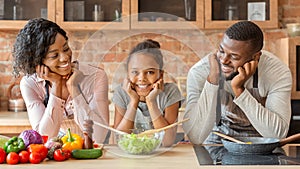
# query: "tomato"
[[61, 155], [12, 158], [35, 158], [38, 148], [24, 156], [67, 154], [2, 155]]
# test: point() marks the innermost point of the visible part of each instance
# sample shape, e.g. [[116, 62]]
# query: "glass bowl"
[[139, 145]]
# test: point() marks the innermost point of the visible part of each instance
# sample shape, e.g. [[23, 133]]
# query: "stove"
[[249, 159], [218, 155]]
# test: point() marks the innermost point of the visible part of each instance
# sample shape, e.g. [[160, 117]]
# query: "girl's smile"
[[143, 73]]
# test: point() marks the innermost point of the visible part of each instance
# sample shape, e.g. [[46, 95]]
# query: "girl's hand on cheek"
[[129, 88], [158, 87], [45, 73]]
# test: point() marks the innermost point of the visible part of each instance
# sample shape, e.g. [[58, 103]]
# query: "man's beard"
[[232, 75]]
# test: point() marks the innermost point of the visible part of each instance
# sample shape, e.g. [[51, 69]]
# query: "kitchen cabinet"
[[66, 13], [166, 14], [295, 119], [205, 14], [79, 15], [220, 14], [14, 14], [141, 14], [288, 50]]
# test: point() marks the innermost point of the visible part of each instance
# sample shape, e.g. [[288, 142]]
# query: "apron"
[[68, 121], [230, 119], [231, 123]]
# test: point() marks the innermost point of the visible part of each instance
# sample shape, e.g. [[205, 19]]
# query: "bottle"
[[117, 15], [231, 10], [1, 9], [88, 134], [17, 10], [98, 13]]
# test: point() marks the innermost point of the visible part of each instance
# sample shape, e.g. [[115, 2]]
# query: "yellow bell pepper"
[[72, 141]]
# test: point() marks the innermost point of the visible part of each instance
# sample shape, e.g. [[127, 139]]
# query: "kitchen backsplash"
[[185, 50]]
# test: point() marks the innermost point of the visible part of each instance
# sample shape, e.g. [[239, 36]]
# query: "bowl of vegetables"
[[136, 144]]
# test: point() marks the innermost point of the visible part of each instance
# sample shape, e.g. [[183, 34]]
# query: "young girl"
[[144, 101], [58, 94]]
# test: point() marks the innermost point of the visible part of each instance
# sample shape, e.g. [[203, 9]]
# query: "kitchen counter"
[[13, 123], [178, 157]]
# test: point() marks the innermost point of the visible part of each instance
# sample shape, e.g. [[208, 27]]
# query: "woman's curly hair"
[[32, 44]]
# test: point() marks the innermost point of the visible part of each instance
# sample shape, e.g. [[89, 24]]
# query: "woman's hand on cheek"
[[73, 82], [45, 73], [129, 88], [75, 77]]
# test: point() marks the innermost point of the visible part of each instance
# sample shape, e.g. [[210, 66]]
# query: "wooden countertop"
[[9, 118], [180, 156], [13, 123]]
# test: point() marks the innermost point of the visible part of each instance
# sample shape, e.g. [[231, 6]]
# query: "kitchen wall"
[[116, 50]]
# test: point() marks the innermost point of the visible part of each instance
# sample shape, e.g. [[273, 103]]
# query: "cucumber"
[[87, 153]]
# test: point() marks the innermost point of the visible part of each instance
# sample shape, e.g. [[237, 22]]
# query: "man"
[[239, 90]]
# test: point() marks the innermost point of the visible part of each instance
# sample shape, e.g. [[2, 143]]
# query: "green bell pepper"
[[14, 144]]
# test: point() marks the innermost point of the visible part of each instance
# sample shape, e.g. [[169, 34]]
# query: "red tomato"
[[35, 158], [24, 156], [2, 155], [12, 158], [67, 154], [61, 155]]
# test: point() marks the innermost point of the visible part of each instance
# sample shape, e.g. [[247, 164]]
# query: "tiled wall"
[[111, 48]]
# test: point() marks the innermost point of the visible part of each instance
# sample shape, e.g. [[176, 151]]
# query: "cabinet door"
[[220, 14], [288, 50], [92, 14], [14, 14], [166, 14]]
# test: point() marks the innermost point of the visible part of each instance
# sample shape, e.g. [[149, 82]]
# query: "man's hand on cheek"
[[213, 76], [245, 72]]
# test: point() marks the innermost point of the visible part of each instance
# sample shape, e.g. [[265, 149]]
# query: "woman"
[[58, 94], [144, 101]]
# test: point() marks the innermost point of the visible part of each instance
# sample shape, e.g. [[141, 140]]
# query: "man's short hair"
[[247, 31]]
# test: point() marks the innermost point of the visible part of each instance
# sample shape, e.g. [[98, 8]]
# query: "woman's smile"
[[64, 67]]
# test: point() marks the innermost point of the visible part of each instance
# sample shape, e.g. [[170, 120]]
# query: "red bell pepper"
[[38, 148]]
